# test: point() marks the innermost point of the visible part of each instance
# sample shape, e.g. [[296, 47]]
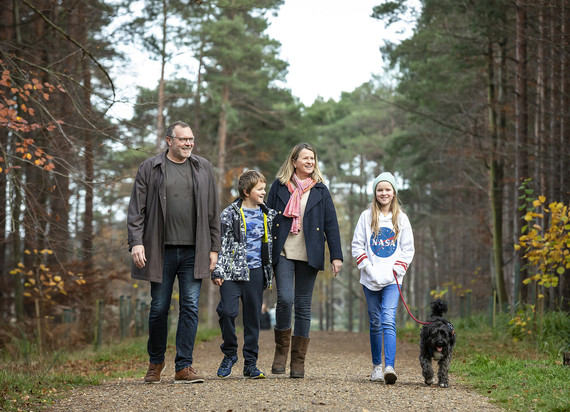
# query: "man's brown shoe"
[[187, 375], [153, 373]]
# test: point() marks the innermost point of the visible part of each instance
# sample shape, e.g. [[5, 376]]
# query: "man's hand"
[[139, 258], [213, 260], [218, 281]]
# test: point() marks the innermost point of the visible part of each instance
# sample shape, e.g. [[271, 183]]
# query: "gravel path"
[[337, 373]]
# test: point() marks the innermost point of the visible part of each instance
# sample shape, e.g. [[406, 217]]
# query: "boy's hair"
[[248, 180]]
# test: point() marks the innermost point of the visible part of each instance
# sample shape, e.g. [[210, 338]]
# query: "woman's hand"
[[336, 266]]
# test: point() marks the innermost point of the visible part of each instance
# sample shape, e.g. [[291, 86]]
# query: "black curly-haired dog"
[[436, 342]]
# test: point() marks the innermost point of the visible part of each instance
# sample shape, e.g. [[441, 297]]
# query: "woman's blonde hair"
[[395, 208], [286, 170]]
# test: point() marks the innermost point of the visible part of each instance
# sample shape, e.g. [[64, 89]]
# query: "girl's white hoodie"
[[379, 256]]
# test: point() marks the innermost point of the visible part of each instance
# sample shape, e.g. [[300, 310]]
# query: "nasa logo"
[[384, 244]]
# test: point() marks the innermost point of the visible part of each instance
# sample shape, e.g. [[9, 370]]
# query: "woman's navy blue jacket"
[[319, 224]]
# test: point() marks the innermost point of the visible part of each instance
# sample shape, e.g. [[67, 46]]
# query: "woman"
[[306, 217]]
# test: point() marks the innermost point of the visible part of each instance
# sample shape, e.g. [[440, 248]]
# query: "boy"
[[244, 270]]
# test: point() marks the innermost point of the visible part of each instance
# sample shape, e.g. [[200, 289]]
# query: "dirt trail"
[[337, 378]]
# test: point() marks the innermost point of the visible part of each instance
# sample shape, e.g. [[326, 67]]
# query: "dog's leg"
[[443, 371], [427, 370]]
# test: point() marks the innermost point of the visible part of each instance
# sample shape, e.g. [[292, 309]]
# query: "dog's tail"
[[438, 307]]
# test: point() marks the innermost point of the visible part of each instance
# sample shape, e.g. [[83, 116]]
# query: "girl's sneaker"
[[377, 374], [390, 375]]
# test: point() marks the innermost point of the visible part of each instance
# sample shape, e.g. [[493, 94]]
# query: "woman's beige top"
[[295, 248]]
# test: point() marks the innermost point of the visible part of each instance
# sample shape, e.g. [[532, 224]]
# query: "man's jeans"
[[178, 260], [295, 283], [382, 305]]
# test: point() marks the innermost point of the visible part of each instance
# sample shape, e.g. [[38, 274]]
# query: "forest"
[[472, 119]]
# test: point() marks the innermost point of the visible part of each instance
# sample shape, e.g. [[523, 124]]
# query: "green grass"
[[34, 382], [519, 375]]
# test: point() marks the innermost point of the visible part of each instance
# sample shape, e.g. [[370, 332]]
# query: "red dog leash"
[[403, 301]]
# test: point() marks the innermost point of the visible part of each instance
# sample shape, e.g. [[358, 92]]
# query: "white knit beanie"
[[385, 177]]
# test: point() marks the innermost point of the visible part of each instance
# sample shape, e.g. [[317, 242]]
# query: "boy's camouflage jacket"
[[232, 259]]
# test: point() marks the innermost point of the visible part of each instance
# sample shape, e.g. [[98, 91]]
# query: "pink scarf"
[[293, 208]]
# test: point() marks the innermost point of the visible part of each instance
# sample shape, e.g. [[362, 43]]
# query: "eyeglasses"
[[183, 140]]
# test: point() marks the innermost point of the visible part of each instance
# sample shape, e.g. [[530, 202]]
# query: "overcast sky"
[[331, 46]]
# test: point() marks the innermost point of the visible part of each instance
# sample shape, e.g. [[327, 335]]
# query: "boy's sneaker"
[[390, 375], [251, 371], [225, 368], [377, 374], [153, 372]]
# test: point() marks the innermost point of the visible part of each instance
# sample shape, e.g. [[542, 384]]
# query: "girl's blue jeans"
[[295, 281], [382, 305]]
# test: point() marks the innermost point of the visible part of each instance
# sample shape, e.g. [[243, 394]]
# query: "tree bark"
[[160, 116], [521, 128], [496, 177], [87, 241]]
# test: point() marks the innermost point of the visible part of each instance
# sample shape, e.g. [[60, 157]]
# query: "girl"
[[383, 246]]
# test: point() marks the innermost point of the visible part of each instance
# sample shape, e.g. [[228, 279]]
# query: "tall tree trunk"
[[564, 285], [15, 218], [331, 298], [87, 241], [222, 141], [198, 95], [160, 117], [540, 116], [222, 137], [554, 192], [564, 104], [350, 263], [495, 179], [5, 277], [521, 128], [6, 35], [502, 138]]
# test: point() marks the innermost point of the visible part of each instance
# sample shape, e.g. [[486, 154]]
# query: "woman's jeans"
[[382, 305], [178, 261], [295, 283], [251, 295]]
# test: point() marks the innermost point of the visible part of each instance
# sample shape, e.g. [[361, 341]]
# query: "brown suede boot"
[[299, 346], [282, 343]]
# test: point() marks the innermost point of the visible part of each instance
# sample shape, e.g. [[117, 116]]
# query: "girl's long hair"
[[286, 170], [395, 208]]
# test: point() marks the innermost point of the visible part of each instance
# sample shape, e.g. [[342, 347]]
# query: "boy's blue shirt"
[[254, 235]]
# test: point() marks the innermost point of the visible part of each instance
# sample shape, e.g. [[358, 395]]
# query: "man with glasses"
[[174, 231]]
